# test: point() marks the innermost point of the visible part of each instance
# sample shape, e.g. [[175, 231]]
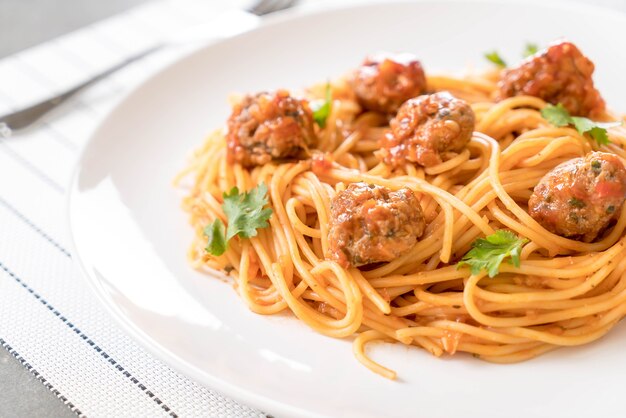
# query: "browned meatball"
[[383, 82], [269, 126], [580, 197], [428, 130], [371, 224], [557, 74]]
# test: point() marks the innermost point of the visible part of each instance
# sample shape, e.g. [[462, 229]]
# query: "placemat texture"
[[49, 319]]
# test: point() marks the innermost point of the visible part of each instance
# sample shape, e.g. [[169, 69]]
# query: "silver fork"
[[26, 117]]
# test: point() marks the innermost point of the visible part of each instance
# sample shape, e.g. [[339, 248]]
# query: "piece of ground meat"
[[428, 130], [269, 126], [371, 224], [557, 74], [579, 198], [383, 82]]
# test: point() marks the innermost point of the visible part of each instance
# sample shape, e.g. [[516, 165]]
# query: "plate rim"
[[209, 381]]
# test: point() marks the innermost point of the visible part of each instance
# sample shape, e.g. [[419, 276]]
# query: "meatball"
[[371, 224], [269, 126], [383, 82], [558, 74], [579, 198], [428, 130]]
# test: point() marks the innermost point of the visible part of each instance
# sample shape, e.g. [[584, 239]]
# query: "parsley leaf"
[[599, 134], [245, 211], [495, 58], [530, 49], [322, 108], [597, 130], [245, 215], [582, 124], [488, 253], [559, 116], [216, 244], [556, 115]]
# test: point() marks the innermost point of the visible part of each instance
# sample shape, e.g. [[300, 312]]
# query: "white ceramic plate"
[[131, 236]]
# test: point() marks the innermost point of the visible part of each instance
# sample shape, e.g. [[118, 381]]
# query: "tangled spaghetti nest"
[[564, 293]]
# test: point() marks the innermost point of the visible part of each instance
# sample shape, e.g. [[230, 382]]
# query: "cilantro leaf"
[[245, 215], [216, 244], [530, 49], [322, 108], [488, 253], [599, 134], [559, 116], [582, 124], [598, 130], [556, 115], [245, 211], [495, 58]]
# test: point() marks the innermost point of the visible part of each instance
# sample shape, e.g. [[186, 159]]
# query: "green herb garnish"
[[215, 232], [576, 203], [245, 212], [530, 49], [596, 167], [559, 116], [495, 58], [321, 110], [488, 253], [556, 115]]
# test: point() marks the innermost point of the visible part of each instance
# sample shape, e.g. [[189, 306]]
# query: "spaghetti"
[[564, 293]]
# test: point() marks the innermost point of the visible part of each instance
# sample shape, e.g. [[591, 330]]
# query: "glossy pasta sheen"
[[565, 292]]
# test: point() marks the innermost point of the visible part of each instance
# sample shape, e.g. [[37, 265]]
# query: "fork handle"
[[27, 116], [228, 23]]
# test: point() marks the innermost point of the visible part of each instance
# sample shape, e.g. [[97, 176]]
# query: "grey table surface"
[[27, 23]]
